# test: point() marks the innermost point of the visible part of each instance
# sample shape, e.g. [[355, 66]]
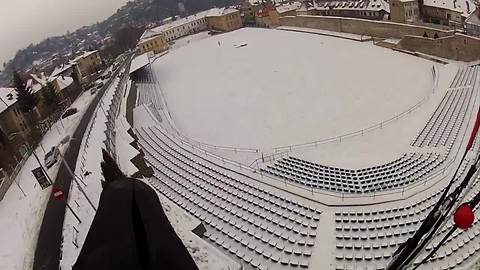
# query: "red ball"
[[464, 217]]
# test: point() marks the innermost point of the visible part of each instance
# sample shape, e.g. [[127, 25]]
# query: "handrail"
[[184, 137], [367, 129]]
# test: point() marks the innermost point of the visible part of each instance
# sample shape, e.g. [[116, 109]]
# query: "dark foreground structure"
[[130, 229]]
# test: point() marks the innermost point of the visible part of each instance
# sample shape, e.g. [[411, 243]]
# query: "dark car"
[[69, 112]]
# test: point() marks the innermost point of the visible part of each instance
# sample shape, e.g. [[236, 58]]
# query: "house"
[[221, 19], [11, 118], [450, 13], [472, 23], [68, 70], [88, 63], [153, 43], [224, 19], [181, 27], [404, 11], [366, 9]]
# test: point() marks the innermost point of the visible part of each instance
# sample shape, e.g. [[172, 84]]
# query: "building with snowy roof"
[[88, 63], [404, 11], [369, 9], [222, 19], [154, 43], [11, 118], [450, 13]]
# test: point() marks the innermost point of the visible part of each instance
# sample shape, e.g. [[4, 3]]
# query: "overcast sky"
[[30, 21]]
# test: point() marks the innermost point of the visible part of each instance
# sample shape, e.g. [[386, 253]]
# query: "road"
[[48, 250]]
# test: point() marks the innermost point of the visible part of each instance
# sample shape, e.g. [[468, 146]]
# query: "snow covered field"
[[276, 88], [21, 216]]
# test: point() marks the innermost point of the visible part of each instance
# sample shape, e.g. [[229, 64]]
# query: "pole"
[[73, 212], [78, 184]]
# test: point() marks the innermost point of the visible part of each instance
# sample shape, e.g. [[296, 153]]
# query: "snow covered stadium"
[[299, 150]]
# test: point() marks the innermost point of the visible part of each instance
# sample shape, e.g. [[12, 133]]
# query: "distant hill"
[[134, 14]]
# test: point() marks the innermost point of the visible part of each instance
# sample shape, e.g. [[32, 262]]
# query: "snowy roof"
[[60, 69], [84, 55], [257, 2], [375, 5], [474, 18], [64, 82], [180, 22], [8, 97], [214, 12], [288, 7], [148, 34], [149, 37], [463, 6], [139, 62]]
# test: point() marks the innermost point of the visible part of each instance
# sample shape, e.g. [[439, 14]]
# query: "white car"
[[51, 157]]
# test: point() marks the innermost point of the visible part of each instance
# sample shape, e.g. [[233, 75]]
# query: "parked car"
[[69, 112], [51, 157], [93, 90], [107, 75], [99, 84]]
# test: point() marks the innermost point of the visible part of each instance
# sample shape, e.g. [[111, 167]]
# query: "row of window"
[[411, 12], [360, 13], [191, 24]]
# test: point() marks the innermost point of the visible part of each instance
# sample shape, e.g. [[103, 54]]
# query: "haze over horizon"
[[23, 22]]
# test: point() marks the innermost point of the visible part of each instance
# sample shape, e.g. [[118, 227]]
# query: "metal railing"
[[361, 132]]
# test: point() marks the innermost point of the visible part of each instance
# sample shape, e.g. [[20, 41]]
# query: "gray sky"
[[29, 21]]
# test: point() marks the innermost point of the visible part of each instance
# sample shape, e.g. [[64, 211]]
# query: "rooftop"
[[84, 55], [465, 7], [375, 5], [60, 69], [182, 21], [8, 97], [474, 18], [288, 7]]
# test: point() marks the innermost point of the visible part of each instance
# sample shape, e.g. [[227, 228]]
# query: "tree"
[[50, 96], [25, 96], [435, 36], [425, 34]]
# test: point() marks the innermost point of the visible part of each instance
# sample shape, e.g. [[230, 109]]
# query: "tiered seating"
[[465, 76], [462, 247], [148, 93], [263, 229], [410, 168], [444, 125], [369, 238]]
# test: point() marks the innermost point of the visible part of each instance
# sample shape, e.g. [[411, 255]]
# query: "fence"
[[364, 130], [439, 174], [113, 111], [8, 180], [110, 134], [177, 134]]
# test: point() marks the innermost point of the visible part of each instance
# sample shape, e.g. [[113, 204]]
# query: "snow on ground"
[[21, 216], [89, 159], [276, 88], [382, 144], [325, 33], [206, 257], [181, 42]]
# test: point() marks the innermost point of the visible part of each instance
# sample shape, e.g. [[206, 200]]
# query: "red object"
[[464, 217], [474, 131], [57, 193]]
